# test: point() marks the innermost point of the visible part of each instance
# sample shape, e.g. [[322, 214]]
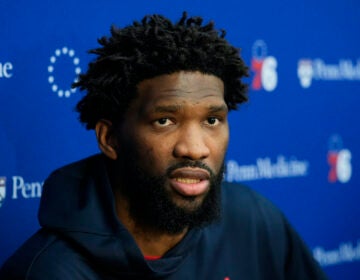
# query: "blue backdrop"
[[296, 141]]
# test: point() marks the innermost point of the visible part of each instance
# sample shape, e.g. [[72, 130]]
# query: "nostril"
[[191, 151]]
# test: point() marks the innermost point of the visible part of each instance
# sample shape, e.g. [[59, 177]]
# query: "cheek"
[[222, 137], [154, 155], [219, 145], [219, 149]]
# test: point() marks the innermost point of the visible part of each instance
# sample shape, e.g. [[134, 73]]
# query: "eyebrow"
[[175, 108], [167, 108], [220, 108]]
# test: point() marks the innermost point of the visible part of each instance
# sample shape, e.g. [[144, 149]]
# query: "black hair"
[[153, 47]]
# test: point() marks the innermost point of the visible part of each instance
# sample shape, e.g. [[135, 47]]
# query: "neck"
[[151, 242]]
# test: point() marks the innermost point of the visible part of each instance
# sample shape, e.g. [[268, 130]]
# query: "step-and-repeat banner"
[[297, 140]]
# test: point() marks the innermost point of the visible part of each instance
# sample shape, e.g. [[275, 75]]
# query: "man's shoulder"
[[69, 178], [20, 264], [43, 256], [240, 197], [244, 206], [78, 168]]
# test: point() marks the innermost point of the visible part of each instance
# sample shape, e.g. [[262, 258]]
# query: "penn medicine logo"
[[264, 67], [339, 160], [20, 188], [2, 190], [317, 69], [305, 72], [265, 168], [67, 56]]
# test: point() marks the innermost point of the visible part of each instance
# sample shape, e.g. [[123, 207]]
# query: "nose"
[[192, 143]]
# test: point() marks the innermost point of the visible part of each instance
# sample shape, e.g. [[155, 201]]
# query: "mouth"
[[190, 181], [187, 180]]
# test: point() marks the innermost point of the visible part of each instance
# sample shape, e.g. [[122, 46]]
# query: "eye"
[[212, 121], [163, 122]]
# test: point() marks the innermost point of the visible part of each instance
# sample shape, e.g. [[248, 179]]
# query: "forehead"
[[181, 87]]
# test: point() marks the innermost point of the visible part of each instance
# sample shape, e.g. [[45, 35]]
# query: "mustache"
[[189, 163]]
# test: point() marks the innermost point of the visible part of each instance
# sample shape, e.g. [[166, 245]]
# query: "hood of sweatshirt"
[[78, 204]]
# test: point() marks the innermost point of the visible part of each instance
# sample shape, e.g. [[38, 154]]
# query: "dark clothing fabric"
[[81, 238]]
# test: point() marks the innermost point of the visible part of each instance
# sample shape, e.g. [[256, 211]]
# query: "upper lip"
[[191, 173]]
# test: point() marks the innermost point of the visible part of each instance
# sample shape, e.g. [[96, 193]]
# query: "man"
[[152, 205]]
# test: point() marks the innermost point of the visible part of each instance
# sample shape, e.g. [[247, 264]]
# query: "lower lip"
[[190, 189]]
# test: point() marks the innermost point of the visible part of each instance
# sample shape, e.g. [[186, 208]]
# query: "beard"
[[150, 204]]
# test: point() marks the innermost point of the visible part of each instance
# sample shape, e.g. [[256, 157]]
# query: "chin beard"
[[150, 205]]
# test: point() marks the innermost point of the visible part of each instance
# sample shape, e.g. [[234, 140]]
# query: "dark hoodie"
[[81, 238]]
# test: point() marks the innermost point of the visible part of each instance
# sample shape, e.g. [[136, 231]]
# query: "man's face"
[[171, 149]]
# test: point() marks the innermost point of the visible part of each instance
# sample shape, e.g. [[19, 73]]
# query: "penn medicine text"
[[25, 189], [6, 70]]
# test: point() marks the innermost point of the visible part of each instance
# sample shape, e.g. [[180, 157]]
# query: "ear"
[[106, 140]]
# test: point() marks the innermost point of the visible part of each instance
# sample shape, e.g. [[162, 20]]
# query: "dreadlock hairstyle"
[[150, 48]]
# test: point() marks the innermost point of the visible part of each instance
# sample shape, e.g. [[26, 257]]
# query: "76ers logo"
[[2, 190], [339, 160], [264, 68]]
